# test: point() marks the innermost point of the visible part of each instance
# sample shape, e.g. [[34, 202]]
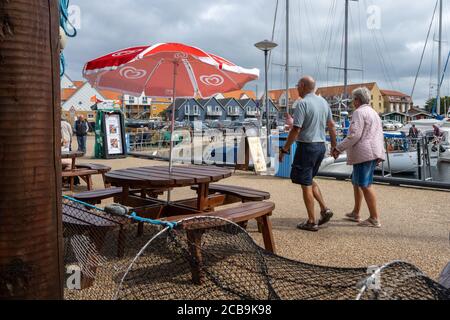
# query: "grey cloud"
[[230, 28]]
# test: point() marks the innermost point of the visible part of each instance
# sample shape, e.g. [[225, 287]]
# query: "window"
[[144, 100], [186, 109], [131, 99], [195, 109]]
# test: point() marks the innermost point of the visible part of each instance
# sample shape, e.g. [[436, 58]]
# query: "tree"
[[445, 104], [30, 146]]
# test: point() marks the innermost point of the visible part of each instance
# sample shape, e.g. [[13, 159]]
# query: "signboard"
[[114, 144], [257, 154]]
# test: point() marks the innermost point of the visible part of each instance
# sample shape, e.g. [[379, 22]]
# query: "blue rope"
[[62, 64], [169, 225], [65, 23], [133, 216], [64, 19], [83, 203]]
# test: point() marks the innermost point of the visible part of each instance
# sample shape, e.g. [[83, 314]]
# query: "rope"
[[133, 216], [424, 49], [166, 224], [64, 19], [65, 24], [83, 203]]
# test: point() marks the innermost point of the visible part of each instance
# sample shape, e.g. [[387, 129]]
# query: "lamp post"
[[266, 46]]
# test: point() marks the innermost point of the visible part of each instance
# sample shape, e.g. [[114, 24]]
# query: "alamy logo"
[[73, 281], [374, 281], [374, 17], [74, 16]]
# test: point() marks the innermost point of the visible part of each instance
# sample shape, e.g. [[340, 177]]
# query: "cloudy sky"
[[386, 41]]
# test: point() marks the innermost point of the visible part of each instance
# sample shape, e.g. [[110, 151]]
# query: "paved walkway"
[[416, 223]]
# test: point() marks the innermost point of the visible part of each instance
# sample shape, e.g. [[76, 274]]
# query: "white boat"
[[400, 162]]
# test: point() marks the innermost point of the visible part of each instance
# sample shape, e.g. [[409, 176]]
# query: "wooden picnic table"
[[72, 155], [158, 177]]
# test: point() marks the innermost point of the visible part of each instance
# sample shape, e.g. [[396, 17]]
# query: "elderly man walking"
[[312, 117], [365, 150], [81, 130]]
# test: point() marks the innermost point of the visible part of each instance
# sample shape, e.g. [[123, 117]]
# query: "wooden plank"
[[121, 177], [157, 174], [246, 211], [135, 201], [238, 189], [77, 173], [239, 192], [202, 177], [212, 172], [213, 202], [194, 178], [269, 241]]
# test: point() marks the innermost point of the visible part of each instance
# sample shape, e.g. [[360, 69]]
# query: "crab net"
[[109, 257]]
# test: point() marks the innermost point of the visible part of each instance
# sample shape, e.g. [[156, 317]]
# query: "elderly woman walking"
[[365, 150]]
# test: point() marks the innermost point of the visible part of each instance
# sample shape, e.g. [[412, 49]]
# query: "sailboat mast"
[[438, 102], [346, 51], [287, 56]]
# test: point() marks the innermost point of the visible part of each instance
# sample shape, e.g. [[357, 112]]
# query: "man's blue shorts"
[[363, 174], [307, 161]]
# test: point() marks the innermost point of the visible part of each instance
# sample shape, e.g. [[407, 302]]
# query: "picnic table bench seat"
[[260, 211], [79, 220], [97, 196], [95, 166], [237, 194], [99, 168], [84, 174]]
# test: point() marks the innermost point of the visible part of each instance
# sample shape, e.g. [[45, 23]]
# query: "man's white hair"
[[362, 94]]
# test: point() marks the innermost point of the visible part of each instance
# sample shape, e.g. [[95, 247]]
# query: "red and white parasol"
[[150, 70], [167, 70]]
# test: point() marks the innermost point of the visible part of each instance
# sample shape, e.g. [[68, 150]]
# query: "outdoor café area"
[[207, 232], [174, 231]]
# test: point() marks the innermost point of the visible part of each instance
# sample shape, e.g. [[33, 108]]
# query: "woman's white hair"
[[362, 94]]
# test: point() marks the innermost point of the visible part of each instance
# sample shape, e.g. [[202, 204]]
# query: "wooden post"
[[31, 259]]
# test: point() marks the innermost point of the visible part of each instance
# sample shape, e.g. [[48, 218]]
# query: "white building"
[[80, 103]]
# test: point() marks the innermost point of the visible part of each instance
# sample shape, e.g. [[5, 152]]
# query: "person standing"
[[66, 135], [365, 150], [312, 116], [81, 130], [414, 132]]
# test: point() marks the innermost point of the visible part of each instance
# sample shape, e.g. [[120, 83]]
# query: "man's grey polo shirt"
[[312, 115]]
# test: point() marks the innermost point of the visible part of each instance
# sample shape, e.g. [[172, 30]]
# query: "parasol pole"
[[172, 125]]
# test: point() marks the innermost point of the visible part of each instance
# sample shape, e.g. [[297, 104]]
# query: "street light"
[[266, 46]]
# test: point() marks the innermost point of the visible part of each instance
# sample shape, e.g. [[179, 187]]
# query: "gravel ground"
[[416, 222]]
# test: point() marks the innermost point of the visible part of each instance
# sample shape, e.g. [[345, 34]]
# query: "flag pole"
[[172, 125]]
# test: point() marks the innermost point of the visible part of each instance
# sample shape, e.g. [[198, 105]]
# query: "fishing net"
[[109, 257]]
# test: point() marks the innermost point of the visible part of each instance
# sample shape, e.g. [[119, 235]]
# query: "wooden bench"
[[80, 221], [260, 211], [84, 174], [100, 168], [97, 196], [237, 194]]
